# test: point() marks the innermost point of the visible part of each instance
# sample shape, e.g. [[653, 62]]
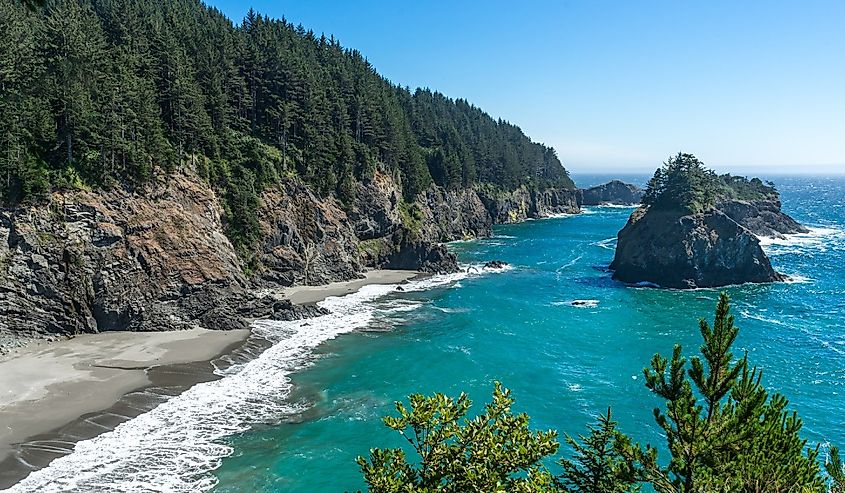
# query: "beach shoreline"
[[55, 394]]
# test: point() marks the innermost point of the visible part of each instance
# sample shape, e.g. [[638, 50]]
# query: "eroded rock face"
[[91, 262], [305, 239], [764, 218], [159, 258], [691, 251], [614, 192], [522, 204]]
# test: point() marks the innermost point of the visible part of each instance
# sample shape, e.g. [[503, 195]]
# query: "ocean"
[[294, 417]]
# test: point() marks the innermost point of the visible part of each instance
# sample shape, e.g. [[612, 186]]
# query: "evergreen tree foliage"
[[113, 92], [835, 471], [493, 452], [685, 185], [598, 464], [723, 429]]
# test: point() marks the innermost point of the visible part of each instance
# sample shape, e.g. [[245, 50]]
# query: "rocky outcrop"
[[306, 239], [523, 203], [689, 251], [113, 260], [764, 218], [158, 258], [614, 192], [399, 235]]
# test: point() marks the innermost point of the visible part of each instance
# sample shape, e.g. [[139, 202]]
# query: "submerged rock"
[[689, 251]]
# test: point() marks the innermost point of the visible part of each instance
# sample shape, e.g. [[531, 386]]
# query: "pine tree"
[[835, 471], [495, 451], [598, 464], [723, 430]]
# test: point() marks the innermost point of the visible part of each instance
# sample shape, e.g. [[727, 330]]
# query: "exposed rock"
[[305, 239], [159, 259], [112, 260], [764, 218], [446, 215], [376, 210], [495, 264], [614, 192], [699, 250], [413, 254], [522, 203], [285, 310]]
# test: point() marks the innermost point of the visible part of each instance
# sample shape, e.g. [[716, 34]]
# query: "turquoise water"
[[564, 363], [293, 416]]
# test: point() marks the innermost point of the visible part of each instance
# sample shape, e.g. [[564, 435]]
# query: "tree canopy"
[[113, 92], [684, 184]]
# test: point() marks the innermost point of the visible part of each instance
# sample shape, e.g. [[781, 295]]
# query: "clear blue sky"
[[748, 86]]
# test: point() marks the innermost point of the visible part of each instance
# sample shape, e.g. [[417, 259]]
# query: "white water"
[[175, 446], [818, 239]]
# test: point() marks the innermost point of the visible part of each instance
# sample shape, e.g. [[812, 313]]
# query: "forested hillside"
[[105, 93]]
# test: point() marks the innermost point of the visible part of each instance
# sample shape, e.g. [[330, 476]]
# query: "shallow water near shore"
[[295, 417]]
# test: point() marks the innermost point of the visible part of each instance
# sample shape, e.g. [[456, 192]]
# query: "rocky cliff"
[[764, 218], [89, 262], [614, 192], [158, 258], [689, 251]]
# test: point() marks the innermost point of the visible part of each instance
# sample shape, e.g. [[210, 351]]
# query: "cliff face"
[[159, 259], [614, 192], [522, 203], [90, 262], [699, 250]]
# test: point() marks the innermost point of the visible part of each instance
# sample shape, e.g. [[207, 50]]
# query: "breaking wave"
[[175, 446]]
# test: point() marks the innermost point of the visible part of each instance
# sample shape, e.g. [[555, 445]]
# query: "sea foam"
[[175, 446]]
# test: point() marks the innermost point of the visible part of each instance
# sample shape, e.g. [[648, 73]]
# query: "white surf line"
[[175, 446]]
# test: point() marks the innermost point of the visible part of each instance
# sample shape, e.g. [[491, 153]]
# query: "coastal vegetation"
[[684, 184], [724, 432], [113, 93]]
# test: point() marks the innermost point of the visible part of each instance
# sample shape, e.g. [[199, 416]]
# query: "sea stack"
[[682, 238], [614, 192]]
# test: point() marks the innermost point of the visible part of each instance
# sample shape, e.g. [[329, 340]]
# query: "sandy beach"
[[303, 295], [53, 394], [47, 385]]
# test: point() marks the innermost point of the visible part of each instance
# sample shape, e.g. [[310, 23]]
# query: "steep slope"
[[161, 162]]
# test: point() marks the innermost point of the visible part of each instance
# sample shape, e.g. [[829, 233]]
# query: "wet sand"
[[53, 395]]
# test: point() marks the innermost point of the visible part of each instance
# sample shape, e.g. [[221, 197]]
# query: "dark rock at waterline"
[[423, 256], [285, 310], [690, 251], [496, 264], [764, 218], [614, 192]]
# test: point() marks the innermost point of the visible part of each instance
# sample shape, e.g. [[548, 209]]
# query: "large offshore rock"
[[689, 251]]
